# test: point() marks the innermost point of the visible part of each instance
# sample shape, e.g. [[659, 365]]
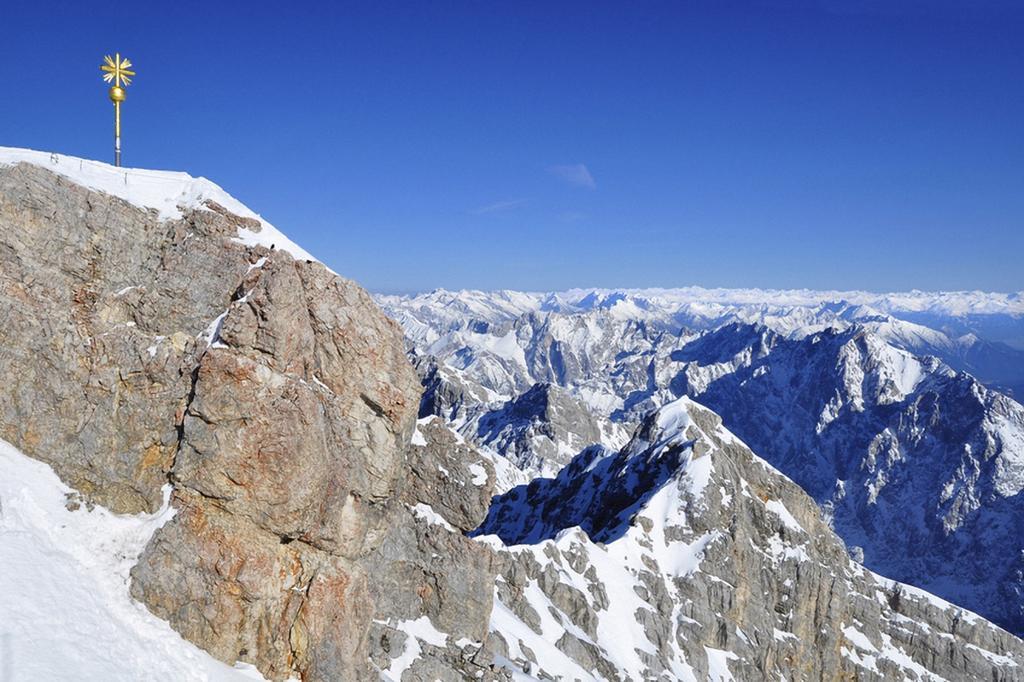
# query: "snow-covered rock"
[[167, 193], [920, 467], [917, 464], [686, 557], [969, 331]]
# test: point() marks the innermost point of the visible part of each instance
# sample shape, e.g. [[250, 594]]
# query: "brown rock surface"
[[274, 396]]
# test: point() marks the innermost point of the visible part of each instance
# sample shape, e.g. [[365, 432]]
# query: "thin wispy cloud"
[[576, 174], [499, 206]]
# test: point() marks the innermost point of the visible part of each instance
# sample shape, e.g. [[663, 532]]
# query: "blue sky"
[[832, 144]]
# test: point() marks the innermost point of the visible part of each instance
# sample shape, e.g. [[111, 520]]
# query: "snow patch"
[[67, 611], [418, 631], [479, 474], [427, 513]]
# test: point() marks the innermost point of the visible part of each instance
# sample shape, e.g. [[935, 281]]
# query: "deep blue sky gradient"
[[871, 145]]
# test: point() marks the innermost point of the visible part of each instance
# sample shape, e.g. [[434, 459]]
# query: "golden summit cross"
[[117, 71]]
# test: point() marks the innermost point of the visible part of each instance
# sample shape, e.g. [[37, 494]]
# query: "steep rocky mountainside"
[[538, 431], [481, 378], [686, 557], [919, 467], [544, 426], [162, 345], [141, 349]]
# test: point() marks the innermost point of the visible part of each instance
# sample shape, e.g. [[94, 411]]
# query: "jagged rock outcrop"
[[140, 350], [684, 556], [542, 429], [102, 307], [448, 394], [447, 494], [449, 475], [538, 431]]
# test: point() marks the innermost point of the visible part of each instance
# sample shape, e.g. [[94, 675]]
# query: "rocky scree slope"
[[150, 335]]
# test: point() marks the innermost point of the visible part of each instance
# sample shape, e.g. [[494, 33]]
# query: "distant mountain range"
[[978, 332], [906, 435]]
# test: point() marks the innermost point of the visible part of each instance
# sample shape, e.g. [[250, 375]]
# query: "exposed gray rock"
[[693, 556], [542, 429], [447, 393], [101, 305], [450, 476]]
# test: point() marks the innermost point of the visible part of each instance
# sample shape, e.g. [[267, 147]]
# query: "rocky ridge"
[[920, 468], [686, 557]]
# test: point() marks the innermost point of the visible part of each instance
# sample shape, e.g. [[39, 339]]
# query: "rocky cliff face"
[[140, 351]]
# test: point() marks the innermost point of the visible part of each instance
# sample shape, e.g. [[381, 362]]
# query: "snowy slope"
[[685, 557], [166, 192], [65, 610]]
